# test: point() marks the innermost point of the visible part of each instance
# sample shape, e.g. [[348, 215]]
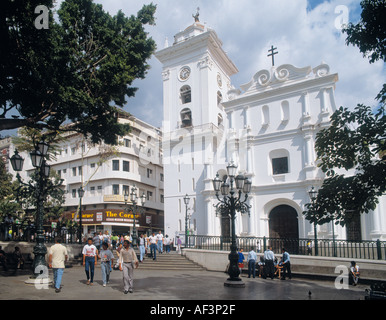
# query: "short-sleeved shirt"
[[89, 251], [59, 253], [152, 239], [159, 236], [106, 255]]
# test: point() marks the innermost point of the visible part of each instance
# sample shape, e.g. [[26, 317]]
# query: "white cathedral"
[[267, 127]]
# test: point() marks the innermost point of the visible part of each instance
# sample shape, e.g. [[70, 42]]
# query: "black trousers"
[[270, 268], [287, 268]]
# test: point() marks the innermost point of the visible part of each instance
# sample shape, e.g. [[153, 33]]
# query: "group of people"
[[15, 259], [268, 264], [101, 247], [127, 261]]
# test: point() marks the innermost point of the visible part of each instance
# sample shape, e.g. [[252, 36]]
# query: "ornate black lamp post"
[[80, 194], [38, 159], [135, 208], [313, 194], [186, 201], [229, 205]]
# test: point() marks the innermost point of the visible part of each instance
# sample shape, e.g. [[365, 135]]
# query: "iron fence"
[[22, 232], [372, 250]]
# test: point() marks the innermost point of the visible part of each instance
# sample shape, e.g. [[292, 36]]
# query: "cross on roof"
[[272, 54]]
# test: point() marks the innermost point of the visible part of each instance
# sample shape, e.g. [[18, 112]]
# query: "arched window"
[[219, 97], [186, 94], [186, 118]]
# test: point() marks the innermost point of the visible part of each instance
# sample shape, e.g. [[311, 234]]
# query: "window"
[[280, 165], [80, 170], [186, 94], [60, 173], [64, 171], [73, 193], [115, 189], [73, 150], [149, 173], [115, 165], [127, 143], [126, 166], [162, 199], [219, 97], [92, 165], [92, 190], [99, 189], [126, 190], [74, 171], [161, 176], [149, 195]]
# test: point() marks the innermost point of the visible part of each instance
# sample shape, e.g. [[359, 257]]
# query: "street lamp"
[[38, 159], [135, 208], [186, 201], [229, 205], [80, 194], [313, 195]]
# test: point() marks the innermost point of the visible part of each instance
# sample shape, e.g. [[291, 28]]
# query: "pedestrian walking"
[[251, 259], [269, 258], [127, 262], [153, 245], [141, 247], [160, 241], [90, 258], [179, 243], [167, 244], [107, 259], [57, 256], [97, 241], [286, 263]]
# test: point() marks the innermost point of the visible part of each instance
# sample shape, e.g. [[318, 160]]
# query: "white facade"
[[267, 127]]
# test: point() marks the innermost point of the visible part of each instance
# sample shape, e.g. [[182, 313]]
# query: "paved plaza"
[[174, 285]]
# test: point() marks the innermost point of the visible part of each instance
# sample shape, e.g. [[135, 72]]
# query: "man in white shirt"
[[269, 257], [252, 258], [153, 245], [56, 259], [160, 241], [90, 258]]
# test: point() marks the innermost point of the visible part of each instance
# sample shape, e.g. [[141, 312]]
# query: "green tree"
[[352, 151], [8, 203], [79, 70]]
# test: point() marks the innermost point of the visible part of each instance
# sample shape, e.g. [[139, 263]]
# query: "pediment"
[[276, 77]]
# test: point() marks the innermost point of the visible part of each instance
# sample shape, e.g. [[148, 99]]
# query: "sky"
[[306, 33]]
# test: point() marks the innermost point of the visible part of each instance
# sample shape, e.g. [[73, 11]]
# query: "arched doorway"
[[284, 229]]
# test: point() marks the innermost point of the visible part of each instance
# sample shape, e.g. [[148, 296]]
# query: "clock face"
[[219, 80], [184, 73]]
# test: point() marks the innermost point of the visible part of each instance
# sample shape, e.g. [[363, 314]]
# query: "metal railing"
[[28, 233], [372, 250]]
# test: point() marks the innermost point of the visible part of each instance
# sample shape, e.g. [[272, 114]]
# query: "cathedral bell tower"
[[196, 80]]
